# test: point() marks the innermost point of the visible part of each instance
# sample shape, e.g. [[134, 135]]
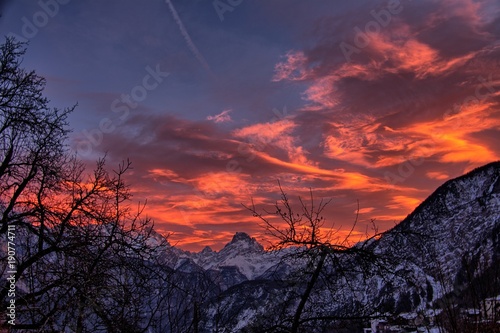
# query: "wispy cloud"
[[222, 117]]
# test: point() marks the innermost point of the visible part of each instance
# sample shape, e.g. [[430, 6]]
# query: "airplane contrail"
[[188, 39]]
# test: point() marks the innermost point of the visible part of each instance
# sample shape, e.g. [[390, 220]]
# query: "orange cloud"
[[291, 69], [341, 179], [405, 202], [396, 51], [225, 183], [365, 210], [475, 14], [437, 175], [451, 138], [266, 133], [407, 54], [263, 136], [162, 175]]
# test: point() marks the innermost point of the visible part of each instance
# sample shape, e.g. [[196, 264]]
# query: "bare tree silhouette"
[[318, 249], [84, 256]]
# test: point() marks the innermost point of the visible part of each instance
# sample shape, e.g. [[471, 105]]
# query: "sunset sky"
[[376, 102]]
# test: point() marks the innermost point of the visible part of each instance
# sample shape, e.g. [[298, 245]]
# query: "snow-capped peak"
[[243, 241]]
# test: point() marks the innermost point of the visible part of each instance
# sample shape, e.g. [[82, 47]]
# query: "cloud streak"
[[188, 39], [222, 117]]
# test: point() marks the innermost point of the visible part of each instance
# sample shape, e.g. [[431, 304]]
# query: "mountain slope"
[[460, 219], [448, 245]]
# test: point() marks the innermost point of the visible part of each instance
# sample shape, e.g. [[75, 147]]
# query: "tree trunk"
[[307, 293]]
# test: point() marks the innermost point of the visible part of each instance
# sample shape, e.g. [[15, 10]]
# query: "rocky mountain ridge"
[[448, 245]]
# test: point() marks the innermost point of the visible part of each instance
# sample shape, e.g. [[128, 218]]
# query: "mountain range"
[[444, 255]]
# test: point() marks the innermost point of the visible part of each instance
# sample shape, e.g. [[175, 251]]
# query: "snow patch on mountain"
[[243, 252]]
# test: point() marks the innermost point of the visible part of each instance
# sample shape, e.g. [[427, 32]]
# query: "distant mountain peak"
[[241, 236], [244, 239], [207, 249]]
